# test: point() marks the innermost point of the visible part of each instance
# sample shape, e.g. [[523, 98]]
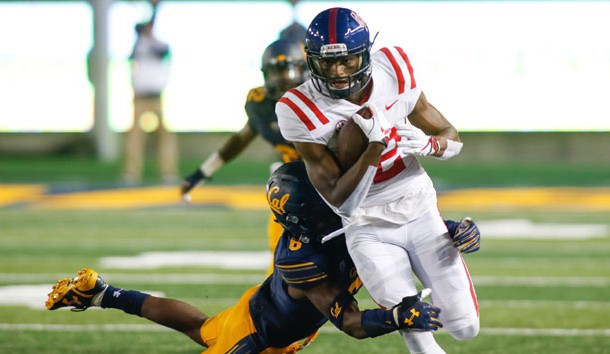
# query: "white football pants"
[[387, 255]]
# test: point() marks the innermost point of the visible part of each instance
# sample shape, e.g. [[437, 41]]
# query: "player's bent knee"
[[468, 332]]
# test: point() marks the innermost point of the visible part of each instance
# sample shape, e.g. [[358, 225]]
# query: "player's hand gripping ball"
[[350, 141]]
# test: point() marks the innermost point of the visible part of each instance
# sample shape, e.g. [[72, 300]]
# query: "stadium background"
[[542, 276]]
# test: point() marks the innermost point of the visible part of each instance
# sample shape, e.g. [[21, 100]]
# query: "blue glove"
[[191, 181], [412, 314], [465, 234]]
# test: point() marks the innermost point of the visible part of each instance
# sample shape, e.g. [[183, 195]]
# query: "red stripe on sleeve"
[[409, 67], [309, 103], [399, 75], [332, 26], [302, 116]]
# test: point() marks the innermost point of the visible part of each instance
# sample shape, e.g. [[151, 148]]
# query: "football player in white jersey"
[[387, 200]]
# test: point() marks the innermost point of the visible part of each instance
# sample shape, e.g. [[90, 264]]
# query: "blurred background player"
[[311, 284], [294, 32], [283, 67], [149, 76], [393, 226]]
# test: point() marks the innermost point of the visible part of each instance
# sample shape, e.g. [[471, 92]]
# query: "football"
[[350, 142]]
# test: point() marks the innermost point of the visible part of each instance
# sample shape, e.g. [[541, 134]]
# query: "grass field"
[[537, 294]]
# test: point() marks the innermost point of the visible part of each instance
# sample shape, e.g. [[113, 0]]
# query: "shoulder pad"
[[256, 94], [299, 264]]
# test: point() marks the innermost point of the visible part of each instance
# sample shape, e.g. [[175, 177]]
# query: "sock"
[[129, 301]]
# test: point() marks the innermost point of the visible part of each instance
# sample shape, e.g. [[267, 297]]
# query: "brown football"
[[351, 142]]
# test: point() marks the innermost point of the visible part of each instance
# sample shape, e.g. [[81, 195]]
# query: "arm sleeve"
[[355, 199], [302, 275], [303, 266], [291, 127]]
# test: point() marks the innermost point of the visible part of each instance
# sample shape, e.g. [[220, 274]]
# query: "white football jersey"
[[305, 115]]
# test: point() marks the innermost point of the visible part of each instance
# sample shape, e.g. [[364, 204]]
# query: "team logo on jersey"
[[277, 204], [256, 95], [340, 124]]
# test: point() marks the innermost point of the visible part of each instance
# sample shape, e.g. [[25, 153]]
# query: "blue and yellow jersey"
[[262, 119], [283, 320]]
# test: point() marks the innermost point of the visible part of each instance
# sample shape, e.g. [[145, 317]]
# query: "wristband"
[[337, 308], [212, 164], [377, 322], [453, 148]]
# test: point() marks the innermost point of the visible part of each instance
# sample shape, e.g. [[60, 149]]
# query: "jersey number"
[[295, 245]]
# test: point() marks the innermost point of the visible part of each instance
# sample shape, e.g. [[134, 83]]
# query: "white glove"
[[377, 128], [413, 141]]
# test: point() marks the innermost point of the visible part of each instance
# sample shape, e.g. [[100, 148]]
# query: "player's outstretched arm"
[[330, 181], [232, 147], [428, 132], [342, 310], [192, 180]]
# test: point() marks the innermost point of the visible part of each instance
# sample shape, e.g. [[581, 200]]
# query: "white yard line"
[[542, 281], [325, 329], [559, 332], [529, 230], [148, 278], [217, 259], [31, 290], [547, 303]]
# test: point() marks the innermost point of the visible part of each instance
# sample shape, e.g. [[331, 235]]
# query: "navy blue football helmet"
[[283, 66], [338, 34], [297, 206]]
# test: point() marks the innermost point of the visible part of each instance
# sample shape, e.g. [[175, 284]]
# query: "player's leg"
[[175, 314], [384, 267], [88, 289], [421, 343], [168, 147], [135, 141], [274, 229], [383, 264], [440, 266], [274, 232], [233, 330]]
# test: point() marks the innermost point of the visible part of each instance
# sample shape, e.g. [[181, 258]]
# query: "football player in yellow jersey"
[[284, 67], [312, 283]]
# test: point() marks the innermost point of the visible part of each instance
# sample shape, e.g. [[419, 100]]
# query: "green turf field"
[[536, 295]]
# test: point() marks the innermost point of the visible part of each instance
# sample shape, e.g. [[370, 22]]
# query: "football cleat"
[[78, 292]]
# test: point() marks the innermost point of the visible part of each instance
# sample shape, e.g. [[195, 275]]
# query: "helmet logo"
[[334, 49], [358, 19], [281, 58], [277, 205]]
